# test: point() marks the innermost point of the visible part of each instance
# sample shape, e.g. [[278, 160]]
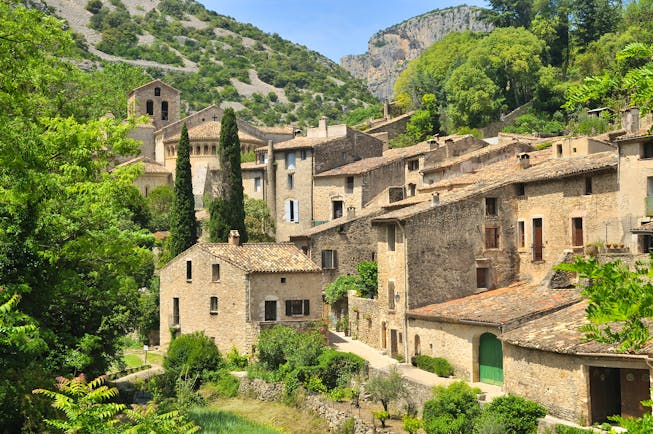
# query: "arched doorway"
[[418, 349], [490, 359]]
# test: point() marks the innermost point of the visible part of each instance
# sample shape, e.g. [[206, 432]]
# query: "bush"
[[411, 424], [94, 6], [368, 272], [223, 384], [191, 355], [235, 361], [439, 366], [336, 368], [272, 344], [564, 429], [452, 410], [518, 415]]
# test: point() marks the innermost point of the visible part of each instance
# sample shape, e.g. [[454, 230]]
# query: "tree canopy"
[[183, 226]]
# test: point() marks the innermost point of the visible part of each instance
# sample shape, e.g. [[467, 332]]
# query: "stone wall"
[[364, 323], [302, 191], [347, 149], [137, 103], [375, 181], [332, 188], [393, 127]]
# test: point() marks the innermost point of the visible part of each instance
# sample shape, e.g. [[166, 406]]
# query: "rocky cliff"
[[390, 50]]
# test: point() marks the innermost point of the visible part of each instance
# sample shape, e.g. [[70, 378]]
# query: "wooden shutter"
[[295, 204], [288, 308], [307, 307], [287, 214], [335, 258]]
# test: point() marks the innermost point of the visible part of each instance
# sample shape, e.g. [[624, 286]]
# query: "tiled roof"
[[500, 307], [211, 130], [157, 81], [263, 257], [149, 165], [252, 165], [508, 172], [560, 332], [365, 212], [302, 142], [474, 154], [276, 130], [367, 164], [644, 228]]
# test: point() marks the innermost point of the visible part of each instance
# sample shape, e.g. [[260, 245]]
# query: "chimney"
[[435, 199], [630, 120], [351, 212], [324, 129], [433, 143], [386, 109], [296, 132], [524, 160], [234, 237]]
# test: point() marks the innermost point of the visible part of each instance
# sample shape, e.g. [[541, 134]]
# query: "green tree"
[[183, 226], [474, 100], [337, 290], [228, 210], [368, 272], [453, 409], [592, 19], [424, 121], [386, 388], [258, 221], [159, 201], [618, 301], [509, 13]]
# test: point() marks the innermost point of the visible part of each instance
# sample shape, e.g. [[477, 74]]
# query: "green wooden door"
[[490, 359]]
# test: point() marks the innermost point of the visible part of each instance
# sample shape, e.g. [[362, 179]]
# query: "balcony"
[[648, 205]]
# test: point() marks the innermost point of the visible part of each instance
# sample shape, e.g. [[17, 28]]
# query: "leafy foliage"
[[258, 221], [453, 409], [337, 368], [337, 290], [437, 365], [386, 388], [191, 356], [159, 201], [619, 300], [516, 414], [228, 209]]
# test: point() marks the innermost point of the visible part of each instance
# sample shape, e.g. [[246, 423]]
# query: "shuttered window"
[[329, 259], [491, 238], [298, 307], [292, 211]]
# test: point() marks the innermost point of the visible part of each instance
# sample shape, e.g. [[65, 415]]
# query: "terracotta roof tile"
[[508, 172], [501, 307], [560, 332], [211, 130], [263, 257], [149, 165], [474, 154]]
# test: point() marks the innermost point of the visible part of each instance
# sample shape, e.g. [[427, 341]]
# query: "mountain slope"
[[390, 50], [215, 59]]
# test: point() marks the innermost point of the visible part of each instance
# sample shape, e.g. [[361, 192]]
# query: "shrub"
[[336, 368], [518, 415], [94, 6], [386, 388], [348, 426], [411, 424], [272, 344], [235, 361], [224, 384], [437, 365], [340, 394], [315, 385], [368, 272], [488, 424], [453, 409], [337, 290], [191, 355], [564, 429], [381, 415]]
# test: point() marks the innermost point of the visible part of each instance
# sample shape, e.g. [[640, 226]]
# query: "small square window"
[[647, 150], [481, 278], [302, 154], [215, 272], [520, 189], [189, 271], [329, 259], [257, 184], [349, 184], [283, 280], [413, 165]]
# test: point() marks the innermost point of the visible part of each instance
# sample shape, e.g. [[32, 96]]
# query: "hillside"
[[212, 58], [390, 50]]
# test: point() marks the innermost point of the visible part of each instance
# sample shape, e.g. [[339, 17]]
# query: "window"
[[270, 310], [538, 239], [157, 91], [412, 188], [189, 271], [558, 151], [344, 156], [290, 161], [349, 184], [302, 154], [491, 238], [214, 305], [283, 280], [298, 307], [588, 185], [175, 311], [149, 107], [482, 278], [215, 272], [647, 150], [649, 186], [329, 259], [577, 231], [337, 209], [291, 181], [391, 238], [520, 189], [164, 110], [213, 150], [521, 234], [491, 206], [292, 211], [257, 184], [413, 165], [391, 294]]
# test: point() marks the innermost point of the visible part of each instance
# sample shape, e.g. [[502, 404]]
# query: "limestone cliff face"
[[390, 50]]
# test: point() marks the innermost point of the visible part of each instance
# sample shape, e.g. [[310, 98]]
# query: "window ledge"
[[189, 280], [538, 262], [213, 312]]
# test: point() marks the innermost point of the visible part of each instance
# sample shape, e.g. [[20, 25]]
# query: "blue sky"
[[331, 27]]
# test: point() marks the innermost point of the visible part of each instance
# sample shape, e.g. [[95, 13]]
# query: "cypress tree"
[[228, 210], [183, 227]]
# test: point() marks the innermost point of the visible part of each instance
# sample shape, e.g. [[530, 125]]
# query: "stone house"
[[232, 292], [154, 174], [548, 361], [253, 175], [476, 238], [466, 331], [292, 165]]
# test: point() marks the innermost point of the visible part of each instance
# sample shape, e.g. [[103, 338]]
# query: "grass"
[[218, 422], [282, 417]]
